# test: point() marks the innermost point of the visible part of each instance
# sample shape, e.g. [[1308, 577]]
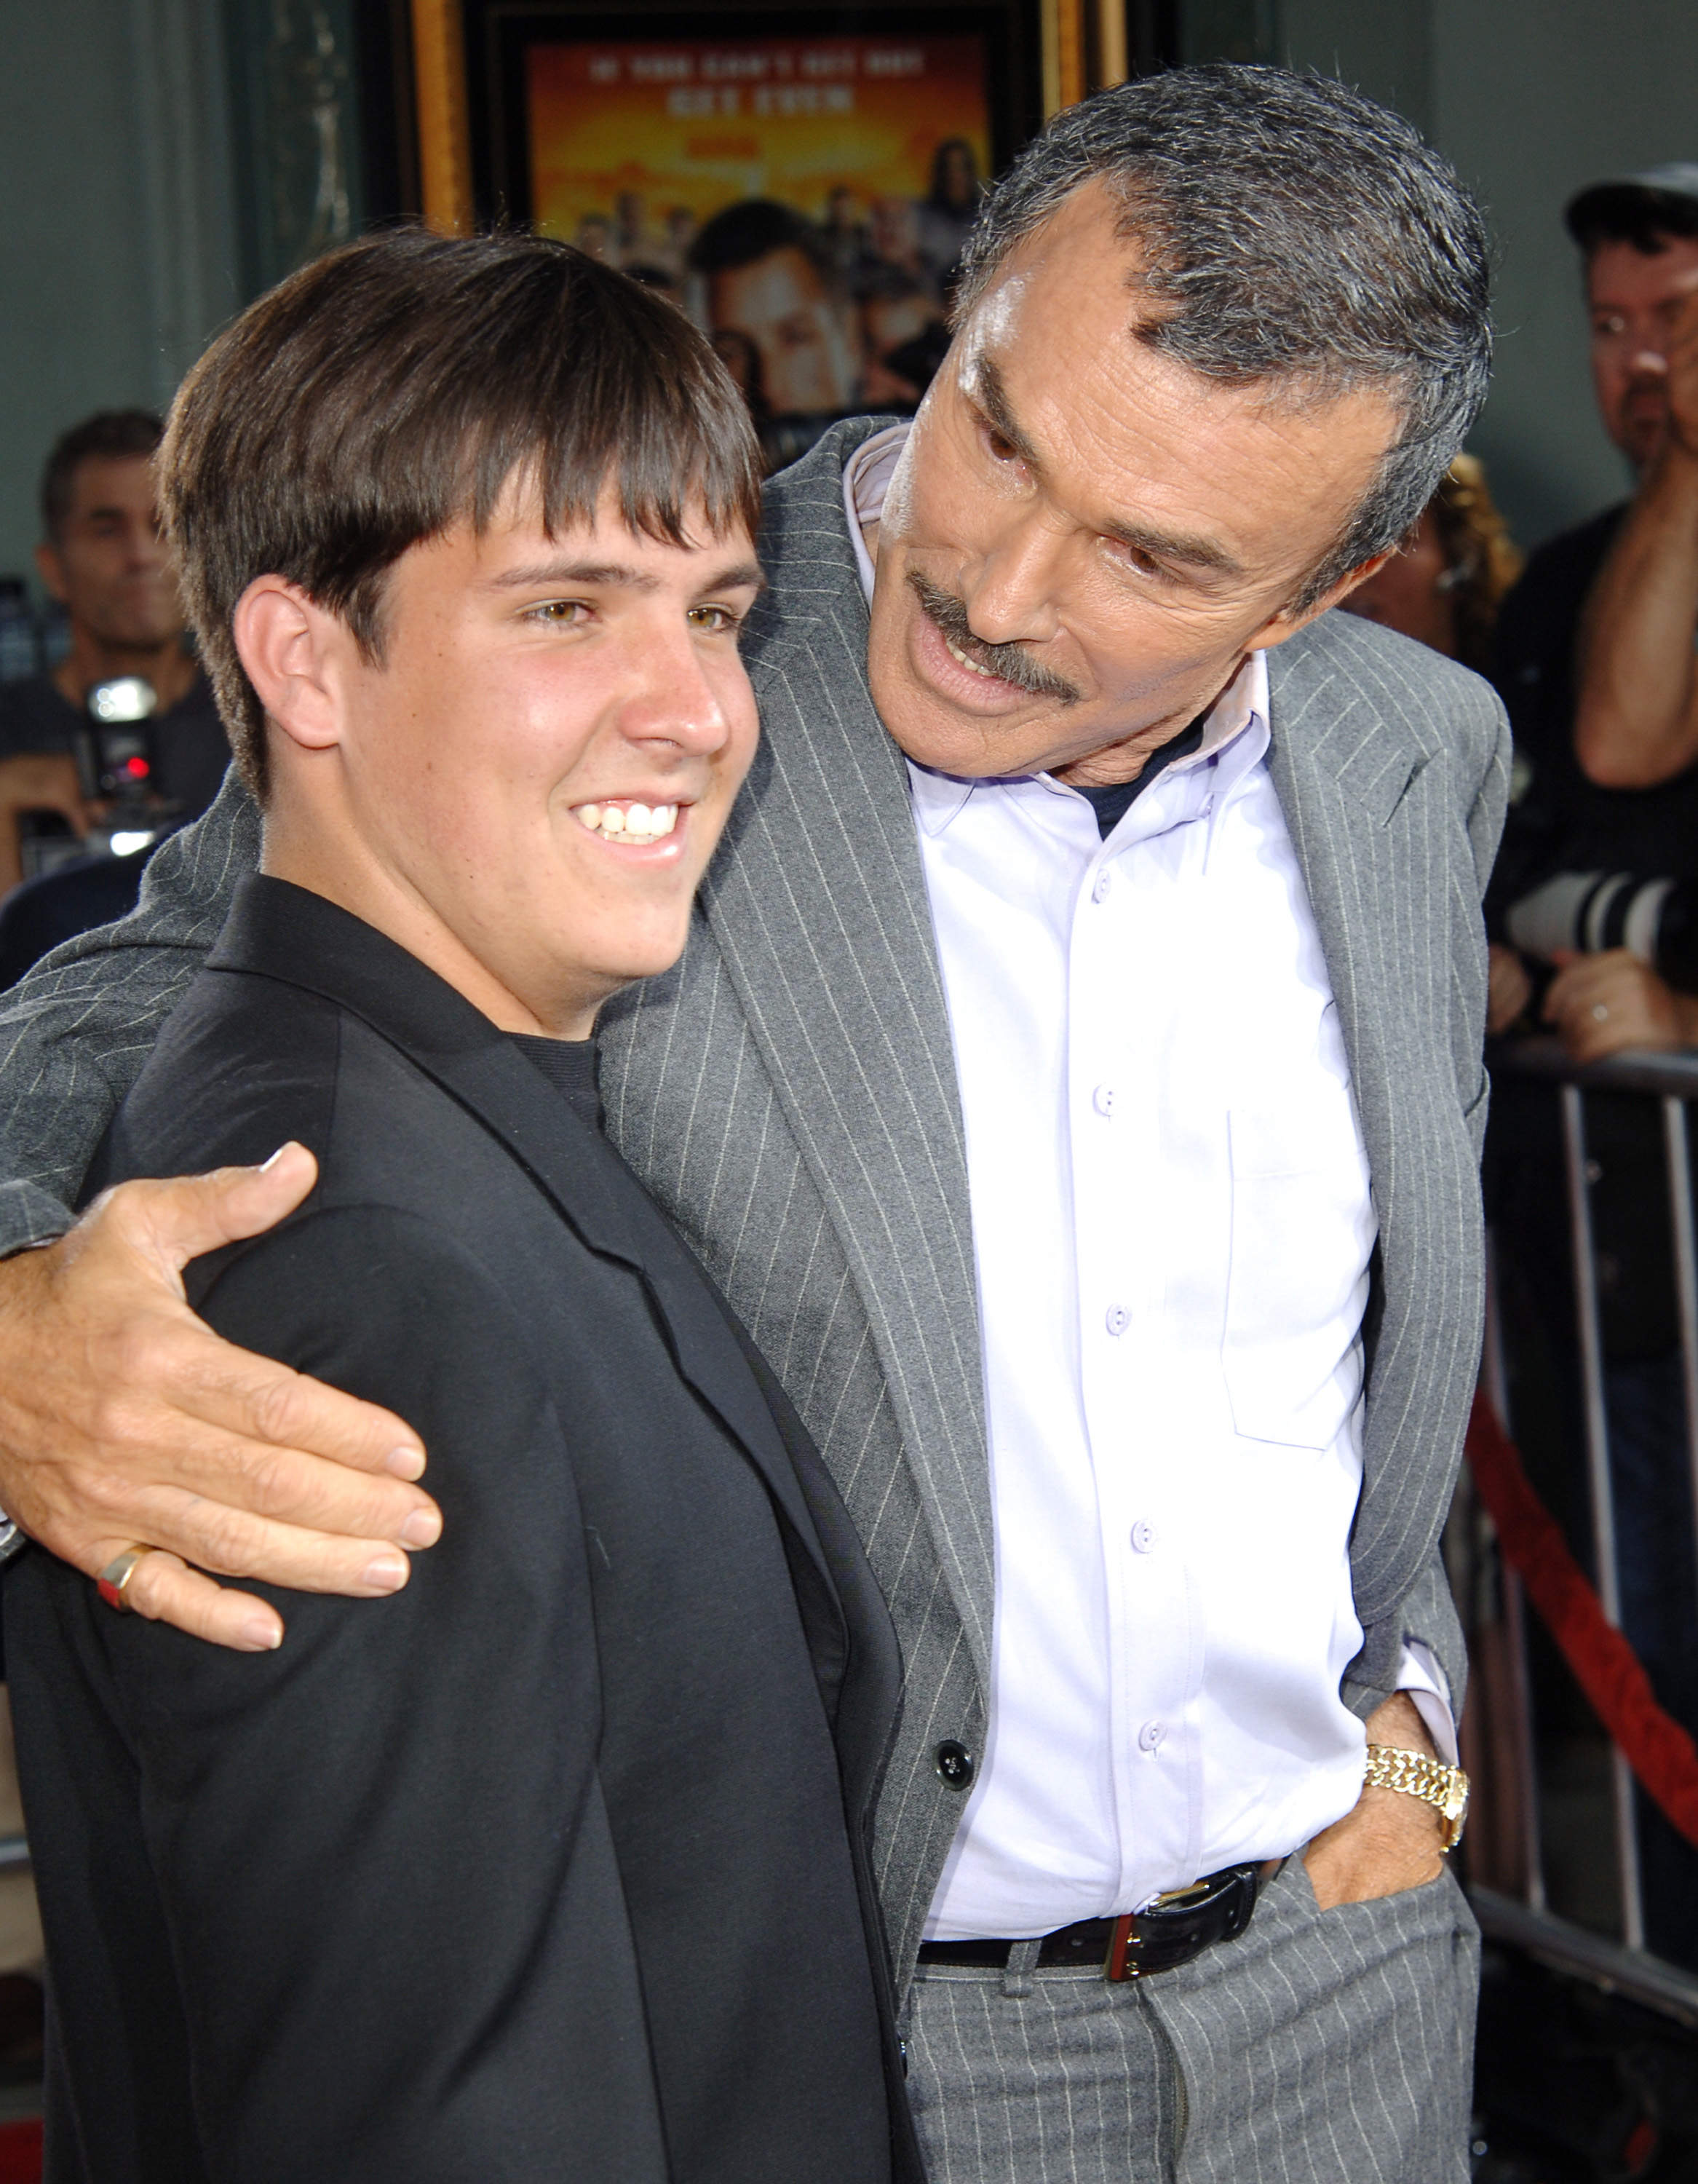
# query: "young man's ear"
[[290, 647]]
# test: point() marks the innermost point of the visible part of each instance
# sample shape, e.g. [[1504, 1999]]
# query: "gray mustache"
[[1012, 662]]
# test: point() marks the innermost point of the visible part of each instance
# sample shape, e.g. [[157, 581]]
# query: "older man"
[[1074, 1080]]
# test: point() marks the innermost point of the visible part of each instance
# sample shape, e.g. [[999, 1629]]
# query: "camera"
[[114, 770], [1587, 912]]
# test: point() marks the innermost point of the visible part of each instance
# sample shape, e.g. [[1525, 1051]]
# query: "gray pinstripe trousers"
[[1320, 2047]]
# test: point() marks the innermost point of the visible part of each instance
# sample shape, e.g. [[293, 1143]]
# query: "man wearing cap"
[[1596, 665], [1637, 725], [1618, 710]]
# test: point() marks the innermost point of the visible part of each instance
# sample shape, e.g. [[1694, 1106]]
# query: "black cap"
[[1629, 204]]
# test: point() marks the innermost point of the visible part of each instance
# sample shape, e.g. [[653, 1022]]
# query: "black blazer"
[[553, 1865]]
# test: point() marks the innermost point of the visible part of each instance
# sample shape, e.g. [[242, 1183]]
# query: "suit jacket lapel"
[[818, 905], [285, 933], [1341, 773], [590, 1187]]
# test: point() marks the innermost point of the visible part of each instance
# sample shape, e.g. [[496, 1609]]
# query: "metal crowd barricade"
[[1526, 1919]]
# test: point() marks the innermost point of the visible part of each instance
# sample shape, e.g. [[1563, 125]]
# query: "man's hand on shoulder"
[[125, 1421], [1388, 1841]]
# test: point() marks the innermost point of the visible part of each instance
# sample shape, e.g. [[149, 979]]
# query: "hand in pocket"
[[1388, 1841]]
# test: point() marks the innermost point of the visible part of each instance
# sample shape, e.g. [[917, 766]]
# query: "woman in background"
[[1445, 589]]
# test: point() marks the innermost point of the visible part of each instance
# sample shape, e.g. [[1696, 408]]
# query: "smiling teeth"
[[629, 822], [956, 653]]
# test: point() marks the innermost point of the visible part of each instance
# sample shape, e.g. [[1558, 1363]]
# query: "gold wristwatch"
[[1445, 1788]]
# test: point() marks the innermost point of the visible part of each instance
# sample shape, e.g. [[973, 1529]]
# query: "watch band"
[[1416, 1775]]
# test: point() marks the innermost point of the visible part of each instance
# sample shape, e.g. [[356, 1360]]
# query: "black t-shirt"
[[1112, 804], [1561, 821], [187, 749], [569, 1065]]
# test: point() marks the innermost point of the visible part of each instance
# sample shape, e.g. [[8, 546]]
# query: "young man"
[[550, 1866]]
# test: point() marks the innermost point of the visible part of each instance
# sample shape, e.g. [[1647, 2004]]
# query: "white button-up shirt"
[[1171, 1226]]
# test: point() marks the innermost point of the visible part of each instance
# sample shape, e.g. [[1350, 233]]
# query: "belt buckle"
[[1238, 1886], [1116, 1968]]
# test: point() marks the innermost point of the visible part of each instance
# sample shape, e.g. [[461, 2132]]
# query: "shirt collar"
[[938, 797], [866, 480]]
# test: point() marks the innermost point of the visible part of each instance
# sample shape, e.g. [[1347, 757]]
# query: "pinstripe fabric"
[[788, 1094], [1320, 2047], [74, 1034], [1071, 2081]]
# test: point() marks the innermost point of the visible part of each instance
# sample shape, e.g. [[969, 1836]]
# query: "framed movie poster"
[[800, 179]]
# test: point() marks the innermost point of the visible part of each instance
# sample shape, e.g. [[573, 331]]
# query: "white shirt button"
[[1117, 1319], [1101, 884], [1142, 1536], [1150, 1735], [1103, 1099]]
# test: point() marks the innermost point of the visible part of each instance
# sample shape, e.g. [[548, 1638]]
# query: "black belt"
[[1175, 1928]]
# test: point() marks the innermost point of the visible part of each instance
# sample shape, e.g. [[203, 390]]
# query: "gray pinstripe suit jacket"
[[788, 1094]]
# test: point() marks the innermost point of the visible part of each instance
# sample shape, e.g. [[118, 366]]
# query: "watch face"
[[1456, 1798]]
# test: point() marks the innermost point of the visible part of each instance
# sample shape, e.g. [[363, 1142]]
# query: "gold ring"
[[117, 1574]]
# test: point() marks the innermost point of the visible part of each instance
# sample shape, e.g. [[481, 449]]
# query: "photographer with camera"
[[104, 559], [1593, 913]]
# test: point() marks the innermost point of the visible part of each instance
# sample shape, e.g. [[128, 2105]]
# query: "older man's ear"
[[1287, 624]]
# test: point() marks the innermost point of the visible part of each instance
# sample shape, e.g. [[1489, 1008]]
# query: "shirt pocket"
[[1303, 1229]]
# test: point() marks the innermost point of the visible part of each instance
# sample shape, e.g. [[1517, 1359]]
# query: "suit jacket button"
[[955, 1764]]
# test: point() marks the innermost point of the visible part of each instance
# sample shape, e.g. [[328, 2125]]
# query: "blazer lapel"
[[288, 934], [597, 1194], [817, 902], [1341, 773]]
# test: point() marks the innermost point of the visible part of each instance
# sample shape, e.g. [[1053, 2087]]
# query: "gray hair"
[[1292, 232]]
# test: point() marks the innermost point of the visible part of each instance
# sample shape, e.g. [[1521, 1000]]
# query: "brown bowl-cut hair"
[[391, 389]]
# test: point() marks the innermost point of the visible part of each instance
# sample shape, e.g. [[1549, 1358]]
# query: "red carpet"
[[20, 2151]]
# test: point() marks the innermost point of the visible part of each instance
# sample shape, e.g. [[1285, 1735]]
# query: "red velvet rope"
[[1655, 1747]]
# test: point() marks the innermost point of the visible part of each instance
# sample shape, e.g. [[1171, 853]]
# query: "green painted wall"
[[116, 242], [161, 162], [1531, 99]]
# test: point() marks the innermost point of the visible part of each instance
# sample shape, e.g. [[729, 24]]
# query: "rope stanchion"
[[1659, 1750]]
